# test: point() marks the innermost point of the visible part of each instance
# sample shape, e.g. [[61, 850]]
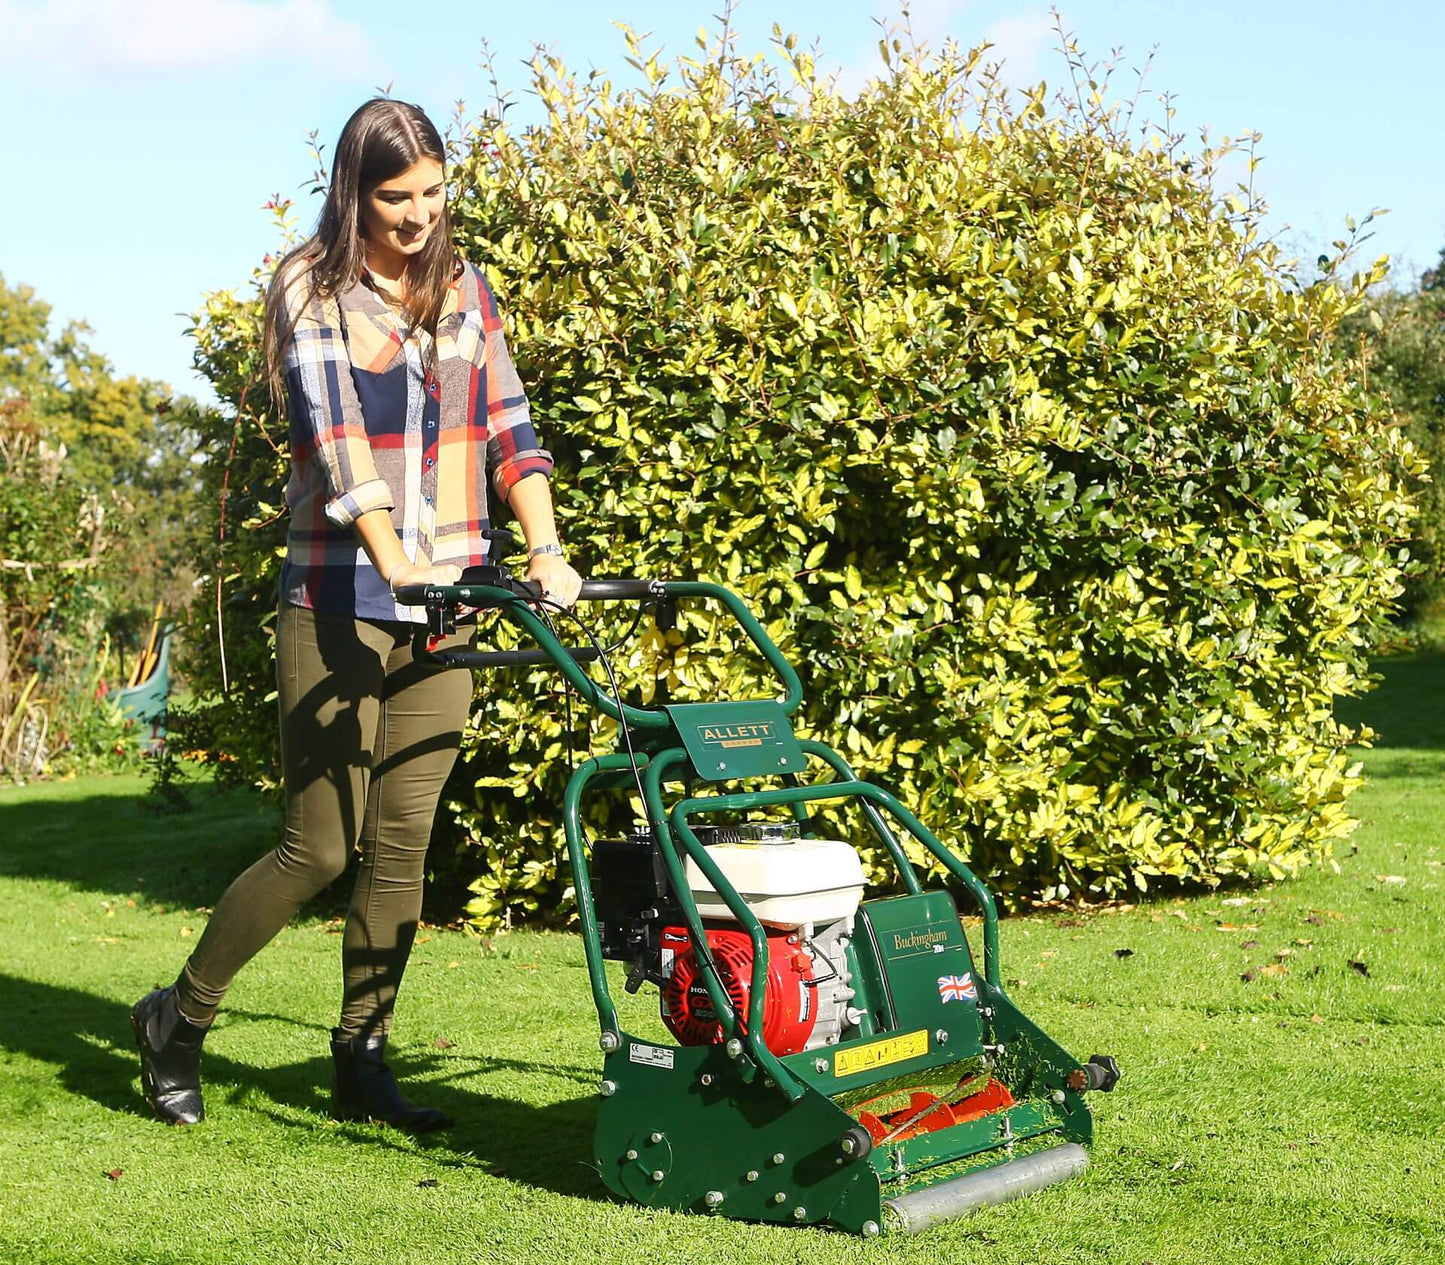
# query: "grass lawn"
[[1294, 1116]]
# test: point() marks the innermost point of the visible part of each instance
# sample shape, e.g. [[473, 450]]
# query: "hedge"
[[1015, 432]]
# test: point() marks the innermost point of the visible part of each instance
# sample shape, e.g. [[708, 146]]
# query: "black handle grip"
[[504, 658], [605, 590]]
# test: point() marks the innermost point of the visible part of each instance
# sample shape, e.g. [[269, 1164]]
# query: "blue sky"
[[142, 136]]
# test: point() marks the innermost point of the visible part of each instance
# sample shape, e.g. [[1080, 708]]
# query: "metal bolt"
[[752, 1175], [820, 1066], [941, 1036], [1057, 1098], [721, 765], [780, 1197], [734, 1047], [778, 1157], [655, 1138], [783, 761], [631, 1153], [608, 1042], [658, 1174], [713, 1198], [800, 1213], [870, 1230], [706, 1078], [986, 1011], [608, 1088]]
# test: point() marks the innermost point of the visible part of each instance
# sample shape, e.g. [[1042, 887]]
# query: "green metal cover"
[[737, 739]]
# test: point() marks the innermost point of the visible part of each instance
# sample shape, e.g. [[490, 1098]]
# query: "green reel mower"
[[838, 1060]]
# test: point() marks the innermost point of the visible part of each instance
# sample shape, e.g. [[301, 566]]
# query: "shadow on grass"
[[113, 842], [88, 1039], [1405, 708]]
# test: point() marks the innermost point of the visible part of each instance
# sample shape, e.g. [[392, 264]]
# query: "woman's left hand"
[[559, 582]]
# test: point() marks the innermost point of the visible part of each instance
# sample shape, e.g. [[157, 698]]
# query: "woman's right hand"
[[406, 573]]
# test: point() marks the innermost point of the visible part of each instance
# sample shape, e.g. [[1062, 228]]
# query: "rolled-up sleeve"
[[326, 419], [513, 449]]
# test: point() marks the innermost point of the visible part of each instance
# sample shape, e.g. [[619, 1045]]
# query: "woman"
[[403, 399]]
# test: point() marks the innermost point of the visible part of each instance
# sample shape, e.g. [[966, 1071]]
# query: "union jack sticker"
[[957, 988]]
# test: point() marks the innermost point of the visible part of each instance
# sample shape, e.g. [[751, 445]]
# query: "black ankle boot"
[[170, 1057], [365, 1088]]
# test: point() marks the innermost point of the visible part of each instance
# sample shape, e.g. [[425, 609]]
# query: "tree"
[[1404, 335]]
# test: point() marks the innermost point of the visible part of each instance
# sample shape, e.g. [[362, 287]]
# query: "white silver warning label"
[[651, 1055]]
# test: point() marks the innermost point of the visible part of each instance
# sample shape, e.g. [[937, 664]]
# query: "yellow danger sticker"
[[863, 1058]]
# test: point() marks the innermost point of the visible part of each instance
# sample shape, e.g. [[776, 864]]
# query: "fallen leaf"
[[1281, 954], [1245, 900], [1315, 920], [428, 1182], [1248, 976], [1071, 922], [1274, 969], [1123, 953], [1201, 1047], [1249, 944], [442, 1043], [1178, 913], [185, 932], [1317, 1019], [1225, 926], [1048, 953], [425, 939], [451, 966], [1305, 944], [1359, 968], [114, 1173], [1390, 878]]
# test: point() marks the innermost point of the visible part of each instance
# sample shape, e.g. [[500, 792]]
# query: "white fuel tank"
[[784, 883]]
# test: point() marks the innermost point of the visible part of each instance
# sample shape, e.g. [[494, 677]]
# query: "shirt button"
[[430, 463]]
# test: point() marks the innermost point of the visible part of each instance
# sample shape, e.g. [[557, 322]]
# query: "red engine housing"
[[789, 1007]]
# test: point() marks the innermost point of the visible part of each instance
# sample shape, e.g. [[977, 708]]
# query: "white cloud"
[[1020, 41], [1020, 45], [126, 39]]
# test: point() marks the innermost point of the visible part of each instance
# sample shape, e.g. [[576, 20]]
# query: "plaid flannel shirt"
[[369, 430]]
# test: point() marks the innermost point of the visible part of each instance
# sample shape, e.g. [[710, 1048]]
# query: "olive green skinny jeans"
[[368, 738]]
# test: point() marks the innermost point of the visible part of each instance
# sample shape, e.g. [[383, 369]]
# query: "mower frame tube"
[[582, 880], [791, 1087], [841, 767]]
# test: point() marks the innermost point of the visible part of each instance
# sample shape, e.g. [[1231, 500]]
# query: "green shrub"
[[1015, 434], [1404, 337]]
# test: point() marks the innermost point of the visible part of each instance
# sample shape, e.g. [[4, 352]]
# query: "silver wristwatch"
[[552, 549]]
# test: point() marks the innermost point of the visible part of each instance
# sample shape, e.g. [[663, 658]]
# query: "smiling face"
[[398, 215]]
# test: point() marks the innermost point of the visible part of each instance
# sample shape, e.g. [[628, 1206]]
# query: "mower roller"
[[836, 1060]]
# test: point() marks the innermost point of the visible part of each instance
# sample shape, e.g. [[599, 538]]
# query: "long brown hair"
[[380, 141]]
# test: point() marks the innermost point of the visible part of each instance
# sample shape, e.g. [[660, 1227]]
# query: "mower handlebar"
[[492, 587], [461, 593]]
